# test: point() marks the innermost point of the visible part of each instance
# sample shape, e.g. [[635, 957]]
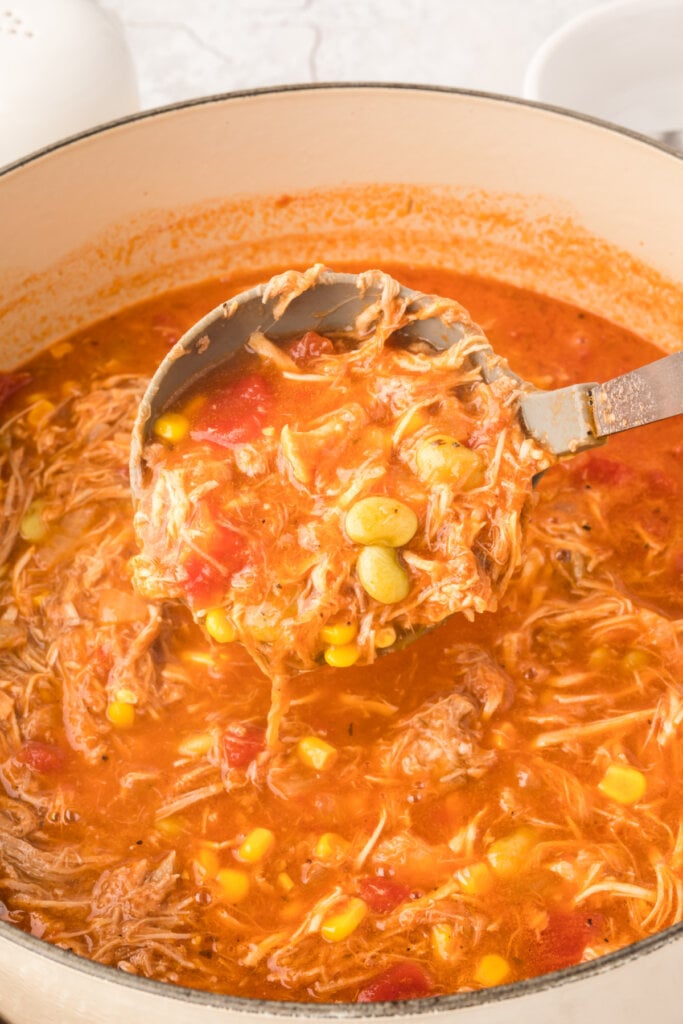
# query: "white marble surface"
[[187, 48]]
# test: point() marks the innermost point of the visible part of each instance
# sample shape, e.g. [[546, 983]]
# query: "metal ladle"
[[565, 421]]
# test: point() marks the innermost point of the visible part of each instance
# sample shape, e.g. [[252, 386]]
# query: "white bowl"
[[622, 62]]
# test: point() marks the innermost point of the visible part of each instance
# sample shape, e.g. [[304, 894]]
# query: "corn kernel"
[[171, 826], [623, 783], [340, 925], [285, 882], [121, 714], [219, 627], [343, 656], [208, 862], [476, 879], [337, 634], [256, 845], [503, 736], [61, 349], [508, 856], [171, 427], [492, 969], [316, 753], [600, 657], [33, 527], [442, 941], [39, 412], [196, 745], [234, 883], [331, 846], [385, 637], [635, 659]]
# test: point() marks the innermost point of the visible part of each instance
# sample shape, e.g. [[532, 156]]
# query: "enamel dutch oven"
[[482, 184]]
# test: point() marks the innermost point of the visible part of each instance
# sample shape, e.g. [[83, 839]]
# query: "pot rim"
[[237, 94], [442, 1004]]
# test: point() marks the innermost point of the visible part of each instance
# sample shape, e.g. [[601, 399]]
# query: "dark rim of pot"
[[414, 1007]]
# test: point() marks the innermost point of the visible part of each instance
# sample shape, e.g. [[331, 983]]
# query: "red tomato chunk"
[[405, 980], [46, 758], [242, 743], [236, 414], [208, 574], [310, 346], [563, 941], [382, 894]]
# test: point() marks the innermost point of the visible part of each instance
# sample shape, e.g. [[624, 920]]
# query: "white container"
[[64, 67], [620, 61]]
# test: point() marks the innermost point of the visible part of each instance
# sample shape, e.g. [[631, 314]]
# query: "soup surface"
[[501, 799]]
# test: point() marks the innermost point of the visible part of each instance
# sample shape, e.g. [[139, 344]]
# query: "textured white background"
[[188, 48]]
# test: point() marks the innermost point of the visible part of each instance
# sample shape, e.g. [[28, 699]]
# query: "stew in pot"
[[499, 800]]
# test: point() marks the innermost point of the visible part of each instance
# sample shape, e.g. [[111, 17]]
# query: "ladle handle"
[[650, 393]]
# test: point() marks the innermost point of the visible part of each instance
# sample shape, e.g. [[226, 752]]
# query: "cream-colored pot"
[[481, 184]]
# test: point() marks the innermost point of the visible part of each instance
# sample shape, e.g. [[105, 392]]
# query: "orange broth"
[[540, 859]]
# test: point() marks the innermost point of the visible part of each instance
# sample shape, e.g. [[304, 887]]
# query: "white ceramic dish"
[[482, 184], [622, 61], [64, 67]]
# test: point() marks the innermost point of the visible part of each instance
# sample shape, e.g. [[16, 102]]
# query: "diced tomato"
[[236, 413], [309, 346], [563, 941], [11, 382], [242, 743], [596, 469], [204, 580], [382, 894], [404, 980], [46, 758]]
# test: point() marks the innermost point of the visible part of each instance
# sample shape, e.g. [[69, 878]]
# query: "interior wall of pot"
[[369, 177]]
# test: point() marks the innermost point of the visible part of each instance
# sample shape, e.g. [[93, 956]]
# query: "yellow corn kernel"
[[379, 519], [61, 349], [316, 753], [508, 855], [121, 714], [442, 941], [623, 783], [381, 575], [503, 736], [635, 659], [33, 527], [208, 862], [219, 627], [343, 656], [600, 657], [171, 826], [441, 459], [331, 846], [39, 412], [385, 637], [196, 745], [491, 970], [285, 882], [337, 634], [171, 427], [256, 845], [234, 883], [476, 879], [340, 925]]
